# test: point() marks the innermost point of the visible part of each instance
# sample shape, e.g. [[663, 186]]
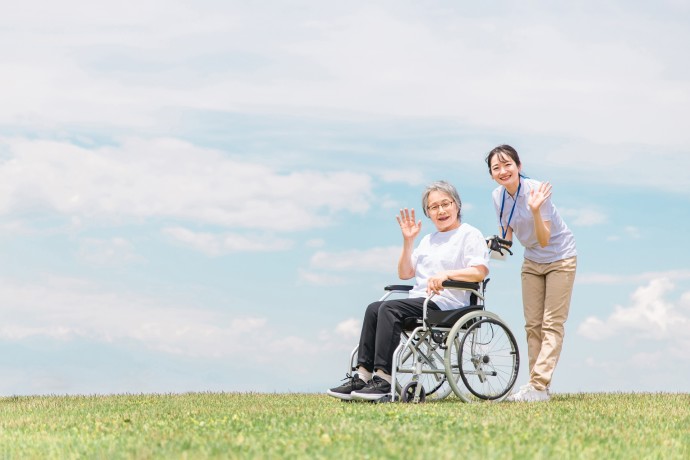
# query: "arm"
[[536, 199], [409, 229], [542, 228], [474, 274]]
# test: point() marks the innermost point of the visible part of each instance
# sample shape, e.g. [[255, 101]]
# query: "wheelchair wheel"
[[489, 359], [408, 392], [432, 378], [484, 354]]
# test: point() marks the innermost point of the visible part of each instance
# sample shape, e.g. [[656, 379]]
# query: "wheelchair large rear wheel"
[[483, 352], [489, 359]]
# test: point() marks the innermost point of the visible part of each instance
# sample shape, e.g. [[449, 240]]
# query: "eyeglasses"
[[443, 204]]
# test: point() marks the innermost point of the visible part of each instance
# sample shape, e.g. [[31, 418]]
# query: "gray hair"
[[444, 187]]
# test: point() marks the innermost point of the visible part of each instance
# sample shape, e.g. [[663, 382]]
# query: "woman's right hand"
[[409, 228]]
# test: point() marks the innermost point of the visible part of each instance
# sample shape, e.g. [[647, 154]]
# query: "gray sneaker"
[[376, 389], [345, 390]]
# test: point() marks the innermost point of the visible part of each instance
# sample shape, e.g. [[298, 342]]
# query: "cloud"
[[349, 329], [650, 317], [108, 252], [630, 232], [585, 217], [67, 309], [315, 243], [321, 279], [407, 60], [154, 71], [381, 259], [407, 177], [327, 268], [643, 346], [646, 340], [219, 244], [609, 279], [168, 178]]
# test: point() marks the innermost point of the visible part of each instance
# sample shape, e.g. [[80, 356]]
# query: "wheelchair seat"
[[441, 318]]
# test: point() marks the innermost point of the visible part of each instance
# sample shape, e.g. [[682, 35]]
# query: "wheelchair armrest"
[[398, 287], [461, 285]]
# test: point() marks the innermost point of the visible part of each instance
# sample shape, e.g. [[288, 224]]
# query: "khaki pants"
[[546, 292]]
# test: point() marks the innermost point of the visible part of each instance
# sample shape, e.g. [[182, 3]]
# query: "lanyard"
[[510, 217]]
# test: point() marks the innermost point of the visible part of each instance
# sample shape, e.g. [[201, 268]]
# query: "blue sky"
[[201, 196]]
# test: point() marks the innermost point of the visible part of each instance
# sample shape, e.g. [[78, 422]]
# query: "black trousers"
[[381, 331]]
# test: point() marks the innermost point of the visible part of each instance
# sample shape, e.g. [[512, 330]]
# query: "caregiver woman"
[[524, 209]]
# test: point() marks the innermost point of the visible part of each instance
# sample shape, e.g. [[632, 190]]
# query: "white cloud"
[[349, 329], [643, 346], [108, 252], [14, 227], [109, 66], [218, 244], [405, 176], [585, 217], [650, 317], [632, 232], [626, 97], [321, 279], [382, 260], [315, 243], [167, 178], [65, 309], [606, 278]]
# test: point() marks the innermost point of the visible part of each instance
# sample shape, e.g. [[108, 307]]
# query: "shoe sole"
[[368, 396], [343, 396]]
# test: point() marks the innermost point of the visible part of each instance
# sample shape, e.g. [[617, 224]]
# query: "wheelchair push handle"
[[495, 243]]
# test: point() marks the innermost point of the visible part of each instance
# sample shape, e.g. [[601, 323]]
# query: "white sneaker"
[[528, 393]]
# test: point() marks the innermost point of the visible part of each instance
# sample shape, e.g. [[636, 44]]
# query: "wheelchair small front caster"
[[383, 399], [408, 393]]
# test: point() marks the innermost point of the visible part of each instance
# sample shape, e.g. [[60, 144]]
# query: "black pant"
[[381, 331]]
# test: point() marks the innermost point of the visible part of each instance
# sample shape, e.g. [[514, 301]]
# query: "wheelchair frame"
[[479, 352]]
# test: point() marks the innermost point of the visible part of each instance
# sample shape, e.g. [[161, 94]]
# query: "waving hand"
[[539, 196], [409, 228]]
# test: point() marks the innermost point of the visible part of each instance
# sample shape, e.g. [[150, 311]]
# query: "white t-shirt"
[[562, 242], [460, 248]]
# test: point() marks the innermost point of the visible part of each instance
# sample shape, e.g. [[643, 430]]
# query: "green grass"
[[241, 425]]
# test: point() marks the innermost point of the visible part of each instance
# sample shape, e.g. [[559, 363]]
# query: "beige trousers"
[[546, 292]]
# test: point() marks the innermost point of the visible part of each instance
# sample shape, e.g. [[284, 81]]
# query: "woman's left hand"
[[539, 196], [435, 283]]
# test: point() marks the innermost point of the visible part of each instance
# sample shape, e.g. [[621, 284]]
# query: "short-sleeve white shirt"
[[453, 250], [562, 242]]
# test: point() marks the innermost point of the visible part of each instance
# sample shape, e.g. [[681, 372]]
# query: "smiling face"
[[505, 171], [443, 211]]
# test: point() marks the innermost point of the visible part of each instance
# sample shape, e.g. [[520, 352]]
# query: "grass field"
[[242, 425]]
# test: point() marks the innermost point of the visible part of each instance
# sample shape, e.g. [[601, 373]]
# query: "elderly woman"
[[455, 251]]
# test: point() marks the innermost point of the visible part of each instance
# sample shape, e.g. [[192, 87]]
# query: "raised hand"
[[409, 228], [539, 196]]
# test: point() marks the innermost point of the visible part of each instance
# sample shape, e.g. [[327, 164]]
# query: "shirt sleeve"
[[475, 252]]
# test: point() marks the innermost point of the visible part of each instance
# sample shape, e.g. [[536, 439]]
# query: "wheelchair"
[[467, 351]]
